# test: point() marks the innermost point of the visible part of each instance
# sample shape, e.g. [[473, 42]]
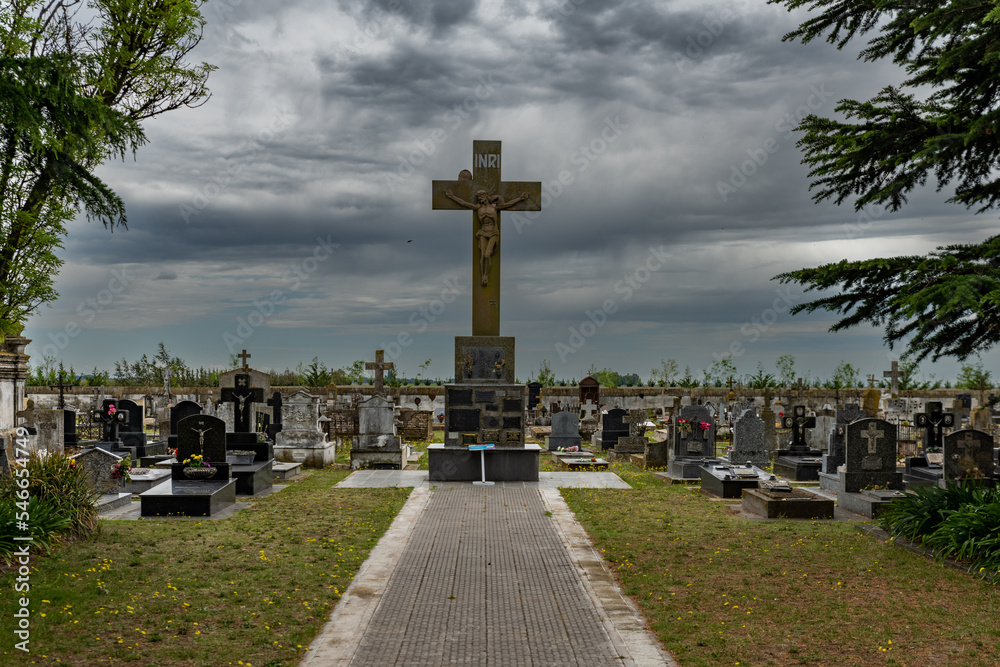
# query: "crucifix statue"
[[244, 396], [380, 365], [483, 192], [933, 421]]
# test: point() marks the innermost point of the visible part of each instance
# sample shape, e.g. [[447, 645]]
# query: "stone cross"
[[871, 381], [380, 365], [800, 387], [244, 355], [872, 434], [895, 374], [483, 192], [588, 409], [243, 396], [167, 374]]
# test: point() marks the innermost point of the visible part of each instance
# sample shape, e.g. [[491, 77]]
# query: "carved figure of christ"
[[484, 193]]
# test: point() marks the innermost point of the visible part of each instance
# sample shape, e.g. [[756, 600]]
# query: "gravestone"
[[968, 455], [798, 461], [69, 429], [276, 416], [748, 441], [565, 431], [635, 442], [243, 396], [870, 459], [613, 426], [694, 442], [534, 392], [870, 402], [301, 438], [768, 417], [177, 413], [836, 452], [184, 495], [110, 419], [377, 447], [204, 435], [4, 460], [97, 464], [819, 436], [934, 420], [416, 425]]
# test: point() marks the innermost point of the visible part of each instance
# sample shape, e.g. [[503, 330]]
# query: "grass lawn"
[[252, 590], [718, 589]]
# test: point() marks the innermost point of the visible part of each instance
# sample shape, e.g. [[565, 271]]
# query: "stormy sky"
[[291, 214]]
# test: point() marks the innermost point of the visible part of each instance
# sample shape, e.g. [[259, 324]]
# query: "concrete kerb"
[[339, 639], [622, 620]]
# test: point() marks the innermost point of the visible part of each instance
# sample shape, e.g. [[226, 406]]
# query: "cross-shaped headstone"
[[872, 434], [380, 365], [871, 381], [110, 418], [798, 422], [483, 192], [243, 356], [275, 403], [933, 421], [243, 396], [167, 374], [895, 374], [588, 409]]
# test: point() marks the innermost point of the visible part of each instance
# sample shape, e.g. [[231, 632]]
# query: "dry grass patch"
[[719, 589]]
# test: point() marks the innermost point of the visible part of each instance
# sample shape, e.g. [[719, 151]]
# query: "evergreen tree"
[[946, 303]]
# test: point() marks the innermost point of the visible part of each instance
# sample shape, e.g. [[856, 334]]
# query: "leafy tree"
[[73, 93], [666, 373], [844, 375], [606, 377], [946, 303], [720, 372], [353, 374], [545, 374], [786, 370]]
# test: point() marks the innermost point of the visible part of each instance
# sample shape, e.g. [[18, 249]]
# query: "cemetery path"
[[500, 575]]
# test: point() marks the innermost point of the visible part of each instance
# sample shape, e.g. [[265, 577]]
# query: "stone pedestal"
[[484, 414], [377, 445], [503, 464]]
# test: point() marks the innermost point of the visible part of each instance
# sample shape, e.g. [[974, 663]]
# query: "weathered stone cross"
[[486, 195], [244, 356], [588, 409], [895, 374], [872, 434], [380, 365]]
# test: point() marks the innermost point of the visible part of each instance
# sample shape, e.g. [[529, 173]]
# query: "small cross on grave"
[[871, 381], [167, 374], [933, 421], [965, 445], [872, 434], [243, 396], [799, 423], [110, 418], [484, 193], [800, 386], [380, 365], [243, 356], [275, 403], [895, 374], [62, 390], [588, 409]]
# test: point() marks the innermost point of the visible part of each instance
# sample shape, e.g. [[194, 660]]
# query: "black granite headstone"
[[201, 434], [968, 454], [242, 396]]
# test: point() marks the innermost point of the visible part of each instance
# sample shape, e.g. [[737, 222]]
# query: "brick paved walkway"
[[485, 580]]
